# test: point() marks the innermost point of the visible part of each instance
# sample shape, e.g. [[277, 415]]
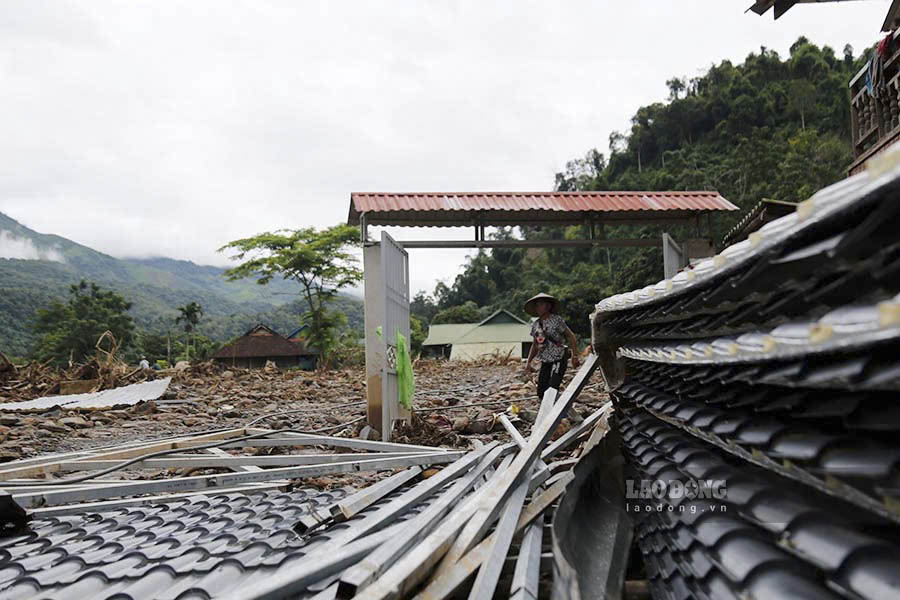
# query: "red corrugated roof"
[[555, 201]]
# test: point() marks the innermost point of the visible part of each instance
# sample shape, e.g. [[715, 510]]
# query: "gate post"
[[374, 311]]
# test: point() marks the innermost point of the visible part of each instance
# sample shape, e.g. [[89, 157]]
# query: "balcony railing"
[[875, 117]]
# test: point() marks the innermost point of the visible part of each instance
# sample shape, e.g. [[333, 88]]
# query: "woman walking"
[[550, 333]]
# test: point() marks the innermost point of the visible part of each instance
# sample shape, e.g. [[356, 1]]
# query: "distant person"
[[550, 333], [144, 364]]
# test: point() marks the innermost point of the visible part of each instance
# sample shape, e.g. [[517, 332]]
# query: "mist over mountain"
[[38, 268]]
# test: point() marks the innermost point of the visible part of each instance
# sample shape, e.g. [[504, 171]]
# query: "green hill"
[[37, 268]]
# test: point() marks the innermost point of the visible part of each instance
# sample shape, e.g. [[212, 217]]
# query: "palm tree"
[[190, 314]]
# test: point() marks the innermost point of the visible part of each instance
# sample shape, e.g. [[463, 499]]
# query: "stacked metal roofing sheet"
[[774, 369]]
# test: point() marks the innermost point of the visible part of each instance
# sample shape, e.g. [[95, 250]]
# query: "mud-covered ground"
[[331, 403]]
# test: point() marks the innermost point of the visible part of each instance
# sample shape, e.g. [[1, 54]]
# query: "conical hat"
[[530, 308]]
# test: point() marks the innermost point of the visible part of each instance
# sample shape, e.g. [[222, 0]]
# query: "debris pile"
[[37, 379], [428, 519], [455, 403]]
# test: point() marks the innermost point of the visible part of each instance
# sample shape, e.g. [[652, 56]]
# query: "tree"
[[70, 331], [423, 307], [417, 334], [464, 313], [676, 86], [190, 316], [153, 345], [802, 98], [320, 261]]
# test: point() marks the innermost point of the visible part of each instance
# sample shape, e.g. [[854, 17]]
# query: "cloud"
[[171, 128], [24, 248]]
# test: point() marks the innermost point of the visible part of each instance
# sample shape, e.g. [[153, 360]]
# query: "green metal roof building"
[[501, 333]]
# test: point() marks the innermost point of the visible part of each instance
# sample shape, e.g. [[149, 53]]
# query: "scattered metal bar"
[[489, 573], [228, 461], [444, 586], [412, 497], [86, 507], [292, 580], [412, 568], [519, 440], [46, 465], [228, 479], [547, 402], [570, 436], [365, 498], [526, 577], [352, 443], [364, 572], [235, 467]]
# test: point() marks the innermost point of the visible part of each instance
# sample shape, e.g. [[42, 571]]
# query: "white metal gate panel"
[[395, 280]]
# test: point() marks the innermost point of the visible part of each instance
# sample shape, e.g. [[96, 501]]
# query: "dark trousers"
[[550, 376]]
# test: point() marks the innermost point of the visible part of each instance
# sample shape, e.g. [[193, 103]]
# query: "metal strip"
[[366, 497], [353, 443], [228, 461], [88, 507], [526, 577], [412, 497], [581, 429], [39, 466], [229, 479], [363, 573], [489, 573], [444, 586]]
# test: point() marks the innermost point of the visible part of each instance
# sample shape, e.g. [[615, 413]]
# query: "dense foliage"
[[767, 128], [70, 331]]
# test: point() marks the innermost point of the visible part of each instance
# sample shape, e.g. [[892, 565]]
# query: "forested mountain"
[[36, 269], [771, 127]]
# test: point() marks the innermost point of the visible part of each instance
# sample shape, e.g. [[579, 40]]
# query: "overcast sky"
[[170, 128]]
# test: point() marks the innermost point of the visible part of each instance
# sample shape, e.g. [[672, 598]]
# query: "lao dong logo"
[[658, 495]]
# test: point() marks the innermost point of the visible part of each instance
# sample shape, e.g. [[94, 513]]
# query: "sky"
[[170, 128]]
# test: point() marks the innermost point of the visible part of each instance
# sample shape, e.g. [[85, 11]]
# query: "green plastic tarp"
[[406, 381]]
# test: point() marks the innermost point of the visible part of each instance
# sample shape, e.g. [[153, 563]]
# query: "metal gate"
[[386, 267]]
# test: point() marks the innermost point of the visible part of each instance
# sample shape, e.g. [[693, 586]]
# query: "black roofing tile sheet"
[[767, 538], [806, 274], [862, 462], [197, 547]]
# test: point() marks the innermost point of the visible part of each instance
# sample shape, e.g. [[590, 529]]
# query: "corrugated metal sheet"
[[124, 396], [477, 351], [499, 332], [446, 333], [554, 201]]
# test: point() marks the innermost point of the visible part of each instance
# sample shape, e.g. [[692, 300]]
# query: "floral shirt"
[[550, 337]]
